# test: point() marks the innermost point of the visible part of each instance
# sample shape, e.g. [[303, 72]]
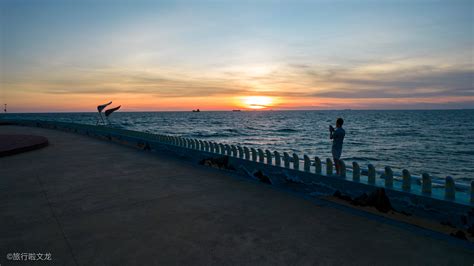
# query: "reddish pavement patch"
[[13, 144]]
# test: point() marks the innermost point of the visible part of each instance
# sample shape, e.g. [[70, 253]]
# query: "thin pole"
[[100, 119]]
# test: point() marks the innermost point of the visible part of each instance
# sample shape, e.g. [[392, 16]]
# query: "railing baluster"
[[355, 172], [307, 163], [328, 166], [317, 165], [269, 157]]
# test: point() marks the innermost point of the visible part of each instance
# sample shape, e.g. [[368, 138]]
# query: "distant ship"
[[196, 111], [236, 110]]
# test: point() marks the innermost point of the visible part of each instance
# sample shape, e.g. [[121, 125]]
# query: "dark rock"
[[405, 213], [377, 199], [459, 234], [220, 162], [447, 223], [263, 178], [361, 200], [339, 195], [147, 146], [470, 230]]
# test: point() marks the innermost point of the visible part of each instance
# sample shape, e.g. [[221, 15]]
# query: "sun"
[[257, 102]]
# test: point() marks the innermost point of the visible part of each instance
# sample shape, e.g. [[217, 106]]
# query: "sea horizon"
[[242, 110]]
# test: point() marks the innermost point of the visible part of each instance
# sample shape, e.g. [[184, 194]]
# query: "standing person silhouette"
[[337, 136]]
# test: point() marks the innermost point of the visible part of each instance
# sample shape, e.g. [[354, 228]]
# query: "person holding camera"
[[337, 136]]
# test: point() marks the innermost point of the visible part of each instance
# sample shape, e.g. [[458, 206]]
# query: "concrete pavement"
[[89, 202]]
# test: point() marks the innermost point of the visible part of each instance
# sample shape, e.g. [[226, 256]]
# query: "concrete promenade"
[[90, 202]]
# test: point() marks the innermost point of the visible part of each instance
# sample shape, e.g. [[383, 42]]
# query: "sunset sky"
[[224, 55]]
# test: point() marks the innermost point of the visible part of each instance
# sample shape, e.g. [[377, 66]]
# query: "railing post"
[[214, 147], [371, 174], [261, 156], [201, 145], [342, 168], [224, 149], [188, 142], [234, 150], [227, 149], [328, 166], [355, 172], [450, 188], [426, 183], [196, 144], [388, 177], [269, 157], [317, 165], [296, 161], [183, 142], [406, 185], [277, 158], [307, 163], [286, 159], [247, 153], [254, 154], [221, 148], [241, 152]]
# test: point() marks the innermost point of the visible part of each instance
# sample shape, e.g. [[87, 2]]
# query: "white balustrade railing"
[[451, 188]]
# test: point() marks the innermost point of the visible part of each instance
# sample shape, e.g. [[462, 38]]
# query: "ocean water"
[[439, 142]]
